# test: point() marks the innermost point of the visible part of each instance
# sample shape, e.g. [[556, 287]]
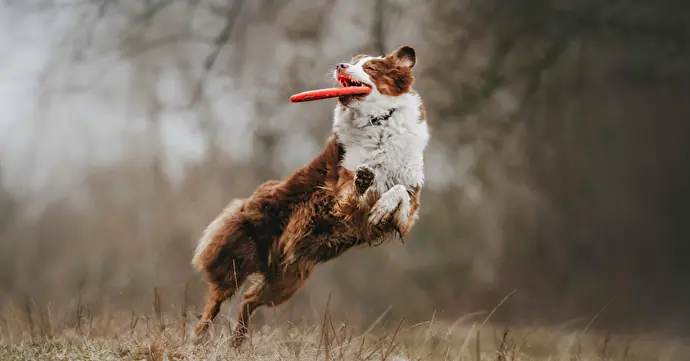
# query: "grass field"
[[159, 337]]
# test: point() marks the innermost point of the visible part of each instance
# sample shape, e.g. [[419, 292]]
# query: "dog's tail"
[[213, 227]]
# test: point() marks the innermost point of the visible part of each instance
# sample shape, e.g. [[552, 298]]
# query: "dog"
[[362, 189]]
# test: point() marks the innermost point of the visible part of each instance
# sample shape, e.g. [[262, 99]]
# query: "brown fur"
[[283, 230], [391, 78]]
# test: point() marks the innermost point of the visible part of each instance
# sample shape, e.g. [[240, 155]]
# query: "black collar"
[[378, 119]]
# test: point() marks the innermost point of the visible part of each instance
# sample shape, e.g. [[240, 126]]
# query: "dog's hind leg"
[[263, 293], [229, 261], [216, 296]]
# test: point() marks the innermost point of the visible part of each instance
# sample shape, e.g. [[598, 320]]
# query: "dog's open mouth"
[[346, 81]]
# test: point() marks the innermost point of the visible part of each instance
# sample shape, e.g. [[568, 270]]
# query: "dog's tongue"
[[329, 93]]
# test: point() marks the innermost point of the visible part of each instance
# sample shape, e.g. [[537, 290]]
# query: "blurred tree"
[[558, 163], [7, 205]]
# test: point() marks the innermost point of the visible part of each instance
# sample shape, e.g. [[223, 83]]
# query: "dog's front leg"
[[364, 179], [393, 205]]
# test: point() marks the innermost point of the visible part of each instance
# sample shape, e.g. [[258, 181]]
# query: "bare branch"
[[153, 9], [586, 21], [143, 47], [378, 27], [230, 18]]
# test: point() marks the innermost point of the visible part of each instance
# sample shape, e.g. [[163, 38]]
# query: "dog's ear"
[[404, 57]]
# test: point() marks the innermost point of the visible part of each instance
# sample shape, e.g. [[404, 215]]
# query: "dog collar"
[[378, 119]]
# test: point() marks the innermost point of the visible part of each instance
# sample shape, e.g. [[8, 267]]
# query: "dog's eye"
[[370, 68]]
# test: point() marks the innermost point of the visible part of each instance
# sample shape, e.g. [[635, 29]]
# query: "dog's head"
[[388, 76]]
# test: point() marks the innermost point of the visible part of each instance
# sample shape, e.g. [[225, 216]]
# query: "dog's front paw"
[[386, 207], [364, 178], [381, 212]]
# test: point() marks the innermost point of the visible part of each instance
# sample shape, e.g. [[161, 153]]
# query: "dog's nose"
[[341, 66]]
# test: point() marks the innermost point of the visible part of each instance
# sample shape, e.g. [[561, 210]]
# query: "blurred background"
[[558, 173]]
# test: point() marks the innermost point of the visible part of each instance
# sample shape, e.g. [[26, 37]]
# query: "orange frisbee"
[[329, 93]]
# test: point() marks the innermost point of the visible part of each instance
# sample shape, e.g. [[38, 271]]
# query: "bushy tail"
[[212, 228]]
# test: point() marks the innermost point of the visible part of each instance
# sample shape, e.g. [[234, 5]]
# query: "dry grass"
[[158, 337]]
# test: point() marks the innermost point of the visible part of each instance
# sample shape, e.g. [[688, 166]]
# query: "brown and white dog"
[[363, 188]]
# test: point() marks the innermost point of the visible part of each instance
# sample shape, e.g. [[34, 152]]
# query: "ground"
[[150, 338]]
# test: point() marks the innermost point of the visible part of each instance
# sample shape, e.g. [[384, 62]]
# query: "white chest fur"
[[394, 149]]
